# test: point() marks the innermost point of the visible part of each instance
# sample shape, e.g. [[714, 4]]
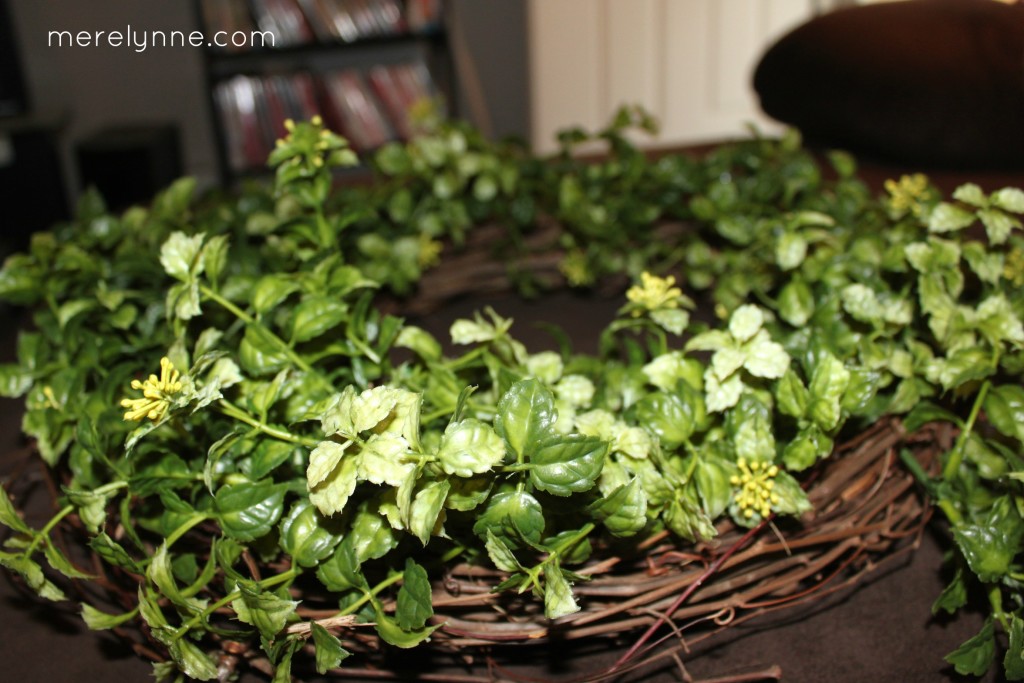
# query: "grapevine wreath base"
[[260, 460], [660, 608]]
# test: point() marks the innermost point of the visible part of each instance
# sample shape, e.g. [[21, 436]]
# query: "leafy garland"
[[284, 425]]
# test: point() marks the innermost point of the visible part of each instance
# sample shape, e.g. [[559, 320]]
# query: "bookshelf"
[[360, 64]]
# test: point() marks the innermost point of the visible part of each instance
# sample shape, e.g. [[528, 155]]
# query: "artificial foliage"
[[232, 415]]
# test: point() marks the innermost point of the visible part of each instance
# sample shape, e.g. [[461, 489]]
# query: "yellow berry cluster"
[[755, 482]]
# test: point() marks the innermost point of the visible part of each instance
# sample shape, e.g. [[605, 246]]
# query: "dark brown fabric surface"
[[883, 631], [937, 82]]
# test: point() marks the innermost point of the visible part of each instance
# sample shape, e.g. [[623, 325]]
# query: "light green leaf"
[[272, 289], [371, 537], [420, 341], [193, 662], [501, 555], [9, 517], [558, 597], [1009, 199], [511, 516], [323, 460], [790, 250], [382, 460], [796, 303], [745, 322], [970, 193], [1013, 660], [765, 358], [101, 621], [342, 571], [179, 255], [998, 225], [948, 217], [828, 384], [792, 395], [426, 509], [470, 447], [392, 633]]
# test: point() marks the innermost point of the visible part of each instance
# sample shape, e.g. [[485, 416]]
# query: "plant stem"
[[231, 410], [956, 456], [230, 597], [371, 594], [287, 350]]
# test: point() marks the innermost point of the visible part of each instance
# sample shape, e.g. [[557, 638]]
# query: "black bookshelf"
[[362, 85]]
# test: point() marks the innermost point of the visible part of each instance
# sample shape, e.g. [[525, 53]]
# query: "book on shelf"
[[303, 22], [369, 106]]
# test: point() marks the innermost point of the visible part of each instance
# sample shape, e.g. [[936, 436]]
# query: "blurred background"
[[124, 95]]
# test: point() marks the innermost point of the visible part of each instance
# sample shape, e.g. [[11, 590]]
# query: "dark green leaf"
[[316, 315], [953, 596], [329, 652], [567, 464], [526, 413], [307, 535], [341, 572], [667, 415], [1004, 406], [413, 607], [263, 609], [249, 511], [1013, 660], [976, 655], [512, 516]]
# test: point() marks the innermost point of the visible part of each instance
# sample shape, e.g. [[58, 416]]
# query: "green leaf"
[[501, 555], [271, 290], [796, 303], [512, 516], [332, 493], [263, 609], [426, 509], [341, 572], [179, 255], [112, 553], [792, 395], [15, 380], [371, 536], [976, 655], [953, 596], [1009, 199], [58, 561], [329, 652], [525, 415], [1013, 660], [248, 511], [413, 606], [259, 352], [1004, 406], [667, 415], [9, 517], [392, 633], [989, 547], [948, 217], [470, 447], [998, 225], [558, 597], [193, 662], [383, 460], [828, 384], [314, 316], [33, 575], [568, 464], [623, 511], [101, 621], [306, 535]]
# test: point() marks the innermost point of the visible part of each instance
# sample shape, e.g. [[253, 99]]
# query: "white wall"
[[688, 62]]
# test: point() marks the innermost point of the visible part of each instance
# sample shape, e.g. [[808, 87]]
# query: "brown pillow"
[[936, 83]]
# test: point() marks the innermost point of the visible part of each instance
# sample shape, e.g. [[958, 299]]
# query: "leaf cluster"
[[326, 442]]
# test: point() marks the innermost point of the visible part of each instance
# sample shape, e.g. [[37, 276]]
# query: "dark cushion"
[[936, 83]]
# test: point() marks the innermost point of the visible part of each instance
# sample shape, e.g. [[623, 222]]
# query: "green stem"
[[231, 410], [231, 597], [45, 531], [184, 527], [956, 456], [371, 594], [287, 350]]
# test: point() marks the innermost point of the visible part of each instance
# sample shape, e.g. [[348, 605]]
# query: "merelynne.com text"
[[141, 40]]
